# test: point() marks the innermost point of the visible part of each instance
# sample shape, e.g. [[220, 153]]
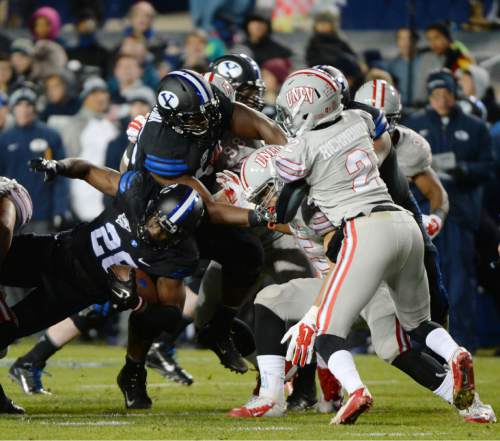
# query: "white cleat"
[[478, 412], [259, 407]]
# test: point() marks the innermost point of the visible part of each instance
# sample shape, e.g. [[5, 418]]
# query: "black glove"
[[50, 167], [123, 294], [260, 216]]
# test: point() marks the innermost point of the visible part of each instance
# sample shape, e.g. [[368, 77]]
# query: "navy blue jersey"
[[163, 151], [111, 238]]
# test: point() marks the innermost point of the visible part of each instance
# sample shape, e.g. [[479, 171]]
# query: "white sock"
[[341, 364], [441, 343], [445, 389], [272, 377]]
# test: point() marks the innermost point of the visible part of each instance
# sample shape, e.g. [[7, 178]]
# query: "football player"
[[177, 144], [16, 209], [277, 307], [334, 152]]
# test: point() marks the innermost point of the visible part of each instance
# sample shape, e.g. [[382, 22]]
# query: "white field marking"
[[172, 384], [87, 423], [261, 428], [395, 434], [120, 415]]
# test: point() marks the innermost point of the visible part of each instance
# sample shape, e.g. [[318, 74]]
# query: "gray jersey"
[[340, 165], [234, 151], [413, 151]]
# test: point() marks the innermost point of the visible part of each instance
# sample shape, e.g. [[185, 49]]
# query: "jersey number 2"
[[359, 164], [111, 242]]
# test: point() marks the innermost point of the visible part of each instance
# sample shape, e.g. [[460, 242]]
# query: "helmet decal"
[[168, 99], [300, 93], [229, 68], [200, 88]]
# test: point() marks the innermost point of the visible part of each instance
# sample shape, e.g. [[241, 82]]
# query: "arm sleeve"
[[291, 162], [378, 117], [60, 192], [396, 181], [226, 108]]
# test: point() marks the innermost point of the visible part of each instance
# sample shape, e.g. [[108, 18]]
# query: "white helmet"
[[308, 98], [381, 95], [339, 77], [259, 177], [222, 84]]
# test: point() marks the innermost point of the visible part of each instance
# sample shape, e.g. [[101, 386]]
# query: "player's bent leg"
[[7, 406]]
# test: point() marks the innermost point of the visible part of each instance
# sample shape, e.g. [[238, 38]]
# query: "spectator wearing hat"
[[326, 45], [30, 138], [86, 135], [261, 43], [45, 24], [139, 102], [59, 90], [21, 59], [462, 157], [87, 49]]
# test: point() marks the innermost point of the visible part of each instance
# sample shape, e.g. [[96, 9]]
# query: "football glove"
[[302, 336], [50, 167], [432, 224], [123, 294], [134, 127], [233, 190], [260, 216]]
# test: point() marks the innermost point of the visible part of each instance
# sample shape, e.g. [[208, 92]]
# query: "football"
[[146, 287]]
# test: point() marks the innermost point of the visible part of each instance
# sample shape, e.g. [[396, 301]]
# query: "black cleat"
[[28, 377], [7, 406], [132, 383], [303, 396], [224, 348], [161, 359], [300, 403]]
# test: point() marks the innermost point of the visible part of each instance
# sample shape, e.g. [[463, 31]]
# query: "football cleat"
[[7, 406], [258, 407], [161, 359], [132, 383], [331, 397], [463, 379], [303, 396], [28, 377], [359, 402], [224, 348], [478, 412]]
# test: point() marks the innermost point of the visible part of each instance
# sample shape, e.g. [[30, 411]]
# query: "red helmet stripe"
[[374, 94], [382, 100], [318, 74]]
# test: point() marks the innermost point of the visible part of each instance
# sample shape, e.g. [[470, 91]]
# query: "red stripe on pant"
[[339, 274]]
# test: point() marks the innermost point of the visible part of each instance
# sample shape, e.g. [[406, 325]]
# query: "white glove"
[[302, 337], [134, 128], [231, 186], [432, 224]]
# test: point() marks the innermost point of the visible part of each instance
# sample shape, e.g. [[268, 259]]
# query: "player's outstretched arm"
[[249, 123], [429, 184], [104, 179]]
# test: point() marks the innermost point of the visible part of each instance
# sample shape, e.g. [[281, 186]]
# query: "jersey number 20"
[[105, 239], [359, 164]]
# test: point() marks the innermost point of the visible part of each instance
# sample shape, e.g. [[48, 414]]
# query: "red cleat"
[[258, 407], [463, 379], [331, 391], [359, 402]]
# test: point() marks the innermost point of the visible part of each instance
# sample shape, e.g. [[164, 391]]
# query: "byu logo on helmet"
[[230, 69], [168, 100]]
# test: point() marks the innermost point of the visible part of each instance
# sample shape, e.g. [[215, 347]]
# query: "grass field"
[[86, 404]]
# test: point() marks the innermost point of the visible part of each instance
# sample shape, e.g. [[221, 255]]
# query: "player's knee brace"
[[419, 334], [154, 319], [269, 330], [327, 344]]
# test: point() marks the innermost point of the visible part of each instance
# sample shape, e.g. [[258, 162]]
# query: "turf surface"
[[86, 404]]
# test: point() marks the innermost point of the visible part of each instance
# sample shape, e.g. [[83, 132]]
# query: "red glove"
[[432, 224], [302, 337], [134, 128]]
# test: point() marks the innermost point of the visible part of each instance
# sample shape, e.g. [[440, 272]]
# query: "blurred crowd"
[[75, 96]]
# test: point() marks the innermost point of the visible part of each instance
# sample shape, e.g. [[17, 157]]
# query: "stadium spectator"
[[30, 138], [462, 156], [60, 88], [260, 41], [138, 49], [6, 73], [193, 55], [45, 24], [399, 67], [326, 45], [5, 116], [141, 17], [87, 49], [86, 135], [47, 57], [473, 85], [379, 74], [21, 58], [127, 73]]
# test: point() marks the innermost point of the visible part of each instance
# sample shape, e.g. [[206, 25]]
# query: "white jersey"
[[340, 165], [309, 238], [413, 151]]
